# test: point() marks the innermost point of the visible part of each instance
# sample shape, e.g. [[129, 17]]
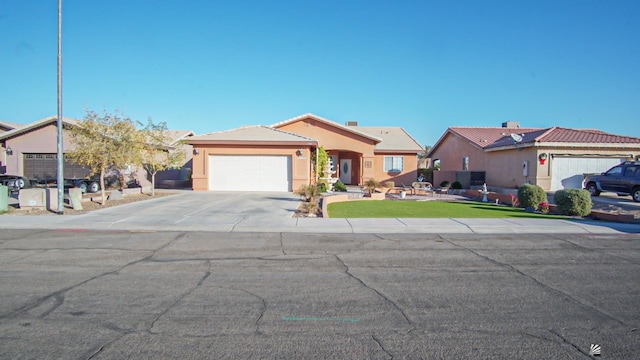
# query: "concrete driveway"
[[623, 202], [205, 210]]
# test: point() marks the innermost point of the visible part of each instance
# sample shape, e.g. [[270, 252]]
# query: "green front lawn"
[[426, 209]]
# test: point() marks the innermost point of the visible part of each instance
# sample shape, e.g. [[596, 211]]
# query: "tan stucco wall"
[[407, 176], [504, 168], [300, 171], [340, 142]]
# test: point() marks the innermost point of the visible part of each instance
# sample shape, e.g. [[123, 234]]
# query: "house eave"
[[254, 142]]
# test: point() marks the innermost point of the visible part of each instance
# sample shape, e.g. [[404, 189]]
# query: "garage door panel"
[[250, 173], [568, 172]]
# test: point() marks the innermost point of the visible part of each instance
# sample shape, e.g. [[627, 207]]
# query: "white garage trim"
[[568, 172], [250, 173]]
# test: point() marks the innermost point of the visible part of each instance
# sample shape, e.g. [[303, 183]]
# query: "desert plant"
[[389, 184], [308, 192], [312, 207], [575, 202], [371, 186], [444, 183], [456, 185], [531, 196], [339, 186]]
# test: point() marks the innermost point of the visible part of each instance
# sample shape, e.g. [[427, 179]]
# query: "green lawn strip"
[[427, 209]]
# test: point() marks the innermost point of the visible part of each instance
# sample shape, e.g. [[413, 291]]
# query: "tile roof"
[[352, 129], [177, 135], [393, 138], [585, 136], [258, 133], [490, 138], [10, 125], [36, 124]]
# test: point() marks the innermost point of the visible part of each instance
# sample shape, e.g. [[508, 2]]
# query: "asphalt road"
[[89, 294]]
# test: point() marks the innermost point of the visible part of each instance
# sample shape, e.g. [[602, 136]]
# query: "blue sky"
[[423, 65]]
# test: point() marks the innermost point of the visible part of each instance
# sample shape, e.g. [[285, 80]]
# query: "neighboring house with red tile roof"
[[279, 157], [554, 158], [31, 150]]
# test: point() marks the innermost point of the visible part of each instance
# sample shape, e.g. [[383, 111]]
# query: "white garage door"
[[249, 173], [567, 172]]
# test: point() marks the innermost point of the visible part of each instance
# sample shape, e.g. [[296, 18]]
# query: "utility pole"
[[60, 174]]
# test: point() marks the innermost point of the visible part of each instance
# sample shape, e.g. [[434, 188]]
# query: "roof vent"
[[351, 123], [511, 124]]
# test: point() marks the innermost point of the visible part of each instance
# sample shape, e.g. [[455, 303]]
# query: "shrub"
[[531, 196], [575, 202], [308, 192], [371, 186], [456, 185], [444, 183], [339, 186], [322, 186]]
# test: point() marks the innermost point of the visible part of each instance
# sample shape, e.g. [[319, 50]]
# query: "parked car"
[[622, 179], [15, 182]]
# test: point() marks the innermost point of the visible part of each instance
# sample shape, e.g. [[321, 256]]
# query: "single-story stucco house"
[[554, 158], [279, 157], [31, 150]]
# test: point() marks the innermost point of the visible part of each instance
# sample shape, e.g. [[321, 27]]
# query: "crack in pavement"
[[198, 285], [58, 296], [566, 341], [380, 346], [282, 245], [605, 250], [383, 296], [541, 284], [262, 310]]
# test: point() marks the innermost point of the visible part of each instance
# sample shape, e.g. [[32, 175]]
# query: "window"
[[631, 170], [393, 163], [615, 171]]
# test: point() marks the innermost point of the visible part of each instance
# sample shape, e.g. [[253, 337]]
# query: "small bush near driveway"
[[573, 202]]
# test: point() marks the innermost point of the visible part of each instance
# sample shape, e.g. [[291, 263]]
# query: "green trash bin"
[[4, 198]]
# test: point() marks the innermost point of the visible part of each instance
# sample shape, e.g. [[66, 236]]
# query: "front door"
[[345, 171]]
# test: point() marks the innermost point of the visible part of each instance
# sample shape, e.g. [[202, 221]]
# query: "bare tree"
[[105, 141], [160, 153]]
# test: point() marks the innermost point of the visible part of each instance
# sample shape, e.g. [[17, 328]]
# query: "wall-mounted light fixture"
[[9, 150], [196, 151], [300, 152]]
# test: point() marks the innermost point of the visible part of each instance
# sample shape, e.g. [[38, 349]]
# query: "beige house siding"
[[339, 142], [44, 139], [407, 176], [39, 140], [504, 167]]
